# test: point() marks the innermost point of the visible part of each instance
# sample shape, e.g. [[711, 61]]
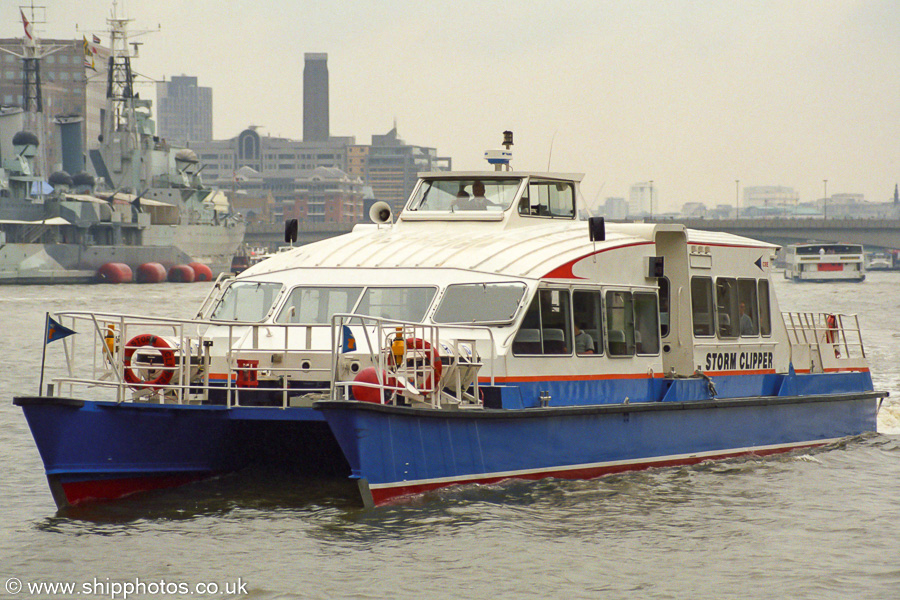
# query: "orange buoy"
[[181, 274], [201, 271], [151, 273], [114, 273]]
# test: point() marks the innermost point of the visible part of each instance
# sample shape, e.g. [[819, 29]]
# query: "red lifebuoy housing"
[[114, 273], [201, 271], [365, 393], [151, 273], [181, 274], [161, 376]]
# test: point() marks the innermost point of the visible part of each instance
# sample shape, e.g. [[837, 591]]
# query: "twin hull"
[[105, 450]]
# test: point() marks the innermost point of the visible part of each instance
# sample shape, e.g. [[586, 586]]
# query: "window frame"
[[710, 305]]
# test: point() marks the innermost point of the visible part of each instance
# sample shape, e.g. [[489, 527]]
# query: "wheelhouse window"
[[548, 199], [316, 305], [727, 314], [545, 328], [747, 307], [701, 306], [480, 303], [246, 301], [473, 194], [586, 308], [765, 313], [399, 304], [620, 323]]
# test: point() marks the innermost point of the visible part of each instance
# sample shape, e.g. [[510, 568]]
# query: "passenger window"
[[765, 315], [663, 283], [747, 307], [545, 328], [727, 315], [586, 307], [619, 323], [549, 199], [646, 323], [701, 306]]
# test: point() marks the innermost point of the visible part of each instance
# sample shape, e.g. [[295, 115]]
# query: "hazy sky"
[[693, 94]]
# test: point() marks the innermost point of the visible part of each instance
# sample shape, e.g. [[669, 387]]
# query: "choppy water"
[[822, 524]]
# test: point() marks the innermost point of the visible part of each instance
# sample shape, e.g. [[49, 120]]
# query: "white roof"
[[529, 252]]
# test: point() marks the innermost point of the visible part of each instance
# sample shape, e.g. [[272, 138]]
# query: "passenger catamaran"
[[484, 334]]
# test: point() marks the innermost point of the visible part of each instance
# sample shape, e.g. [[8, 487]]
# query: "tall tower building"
[[184, 110], [315, 97]]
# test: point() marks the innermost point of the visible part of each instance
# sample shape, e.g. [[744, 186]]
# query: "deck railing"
[[122, 358], [831, 340]]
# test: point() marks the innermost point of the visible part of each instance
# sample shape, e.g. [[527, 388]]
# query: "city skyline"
[[692, 95]]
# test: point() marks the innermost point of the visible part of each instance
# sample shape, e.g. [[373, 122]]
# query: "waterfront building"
[[328, 195], [770, 196], [184, 110]]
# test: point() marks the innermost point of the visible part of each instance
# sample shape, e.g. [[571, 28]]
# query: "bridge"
[[871, 233]]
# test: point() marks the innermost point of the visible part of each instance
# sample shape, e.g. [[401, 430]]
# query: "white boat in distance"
[[824, 261]]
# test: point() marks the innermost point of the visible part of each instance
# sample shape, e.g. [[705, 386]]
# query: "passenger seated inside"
[[584, 343]]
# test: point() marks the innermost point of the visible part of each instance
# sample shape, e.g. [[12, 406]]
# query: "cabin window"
[[664, 300], [465, 194], [480, 303], [619, 323], [646, 323], [246, 301], [398, 304], [765, 314], [548, 199], [701, 306], [545, 328], [747, 307], [316, 305], [727, 315], [587, 310]]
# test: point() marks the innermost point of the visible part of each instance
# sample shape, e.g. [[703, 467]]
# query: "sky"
[[694, 95]]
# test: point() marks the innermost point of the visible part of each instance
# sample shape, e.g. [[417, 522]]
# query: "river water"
[[820, 524]]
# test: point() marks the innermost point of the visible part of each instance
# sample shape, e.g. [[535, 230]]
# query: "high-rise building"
[[184, 110], [642, 199], [315, 97]]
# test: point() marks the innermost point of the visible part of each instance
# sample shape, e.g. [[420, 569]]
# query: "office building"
[[315, 97], [184, 111]]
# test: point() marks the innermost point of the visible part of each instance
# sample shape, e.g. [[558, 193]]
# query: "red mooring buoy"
[[114, 273], [151, 273], [181, 274], [201, 272]]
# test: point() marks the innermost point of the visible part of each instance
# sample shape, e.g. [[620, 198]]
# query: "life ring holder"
[[418, 347], [166, 351]]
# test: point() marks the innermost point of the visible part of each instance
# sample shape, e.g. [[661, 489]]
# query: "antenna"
[[550, 154]]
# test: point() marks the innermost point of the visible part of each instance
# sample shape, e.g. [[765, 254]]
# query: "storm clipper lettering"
[[732, 361]]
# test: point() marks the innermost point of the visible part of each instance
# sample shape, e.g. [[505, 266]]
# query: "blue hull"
[[104, 450], [394, 451]]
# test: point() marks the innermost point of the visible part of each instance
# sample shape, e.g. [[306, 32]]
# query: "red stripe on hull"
[[396, 494], [77, 492]]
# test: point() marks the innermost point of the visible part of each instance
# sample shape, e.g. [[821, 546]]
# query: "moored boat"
[[485, 334], [824, 262]]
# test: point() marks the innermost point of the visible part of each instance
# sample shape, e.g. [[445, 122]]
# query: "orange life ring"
[[831, 332], [432, 360], [166, 352]]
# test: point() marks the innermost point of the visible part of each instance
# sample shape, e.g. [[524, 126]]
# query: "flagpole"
[[44, 352]]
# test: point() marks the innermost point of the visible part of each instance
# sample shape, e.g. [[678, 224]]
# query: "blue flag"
[[55, 331], [348, 344]]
